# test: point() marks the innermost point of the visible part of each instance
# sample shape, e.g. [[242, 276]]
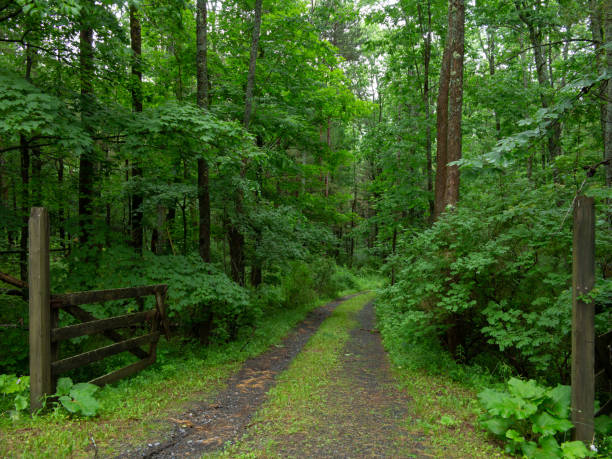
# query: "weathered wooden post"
[[40, 307], [583, 320]]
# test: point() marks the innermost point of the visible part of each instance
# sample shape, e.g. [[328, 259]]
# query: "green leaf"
[[69, 404], [497, 425], [21, 402], [558, 403], [549, 448], [513, 435], [546, 424], [88, 406], [63, 386], [83, 389], [574, 449], [529, 448], [526, 389]]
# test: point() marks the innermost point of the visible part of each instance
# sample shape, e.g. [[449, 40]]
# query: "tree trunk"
[[442, 128], [202, 101], [455, 103], [137, 199], [86, 160]]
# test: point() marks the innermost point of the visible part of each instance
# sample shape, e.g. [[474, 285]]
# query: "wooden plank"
[[13, 281], [70, 363], [123, 372], [97, 326], [39, 307], [100, 296], [583, 320], [113, 335]]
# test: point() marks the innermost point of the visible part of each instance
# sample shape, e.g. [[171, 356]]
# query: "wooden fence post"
[[40, 307], [583, 320]]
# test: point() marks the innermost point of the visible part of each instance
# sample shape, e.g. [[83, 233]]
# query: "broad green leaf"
[[546, 424], [63, 386], [526, 389], [574, 450], [513, 435], [21, 402], [497, 425], [558, 402], [68, 403]]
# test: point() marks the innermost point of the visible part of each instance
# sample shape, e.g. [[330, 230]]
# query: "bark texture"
[[449, 110]]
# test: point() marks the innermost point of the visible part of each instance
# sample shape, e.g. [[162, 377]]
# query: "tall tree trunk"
[[442, 128], [455, 103], [202, 101], [137, 199], [86, 160]]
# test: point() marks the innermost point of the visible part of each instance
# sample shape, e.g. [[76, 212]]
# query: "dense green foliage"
[[253, 173]]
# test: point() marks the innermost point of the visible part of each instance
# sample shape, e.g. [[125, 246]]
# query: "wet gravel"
[[208, 427]]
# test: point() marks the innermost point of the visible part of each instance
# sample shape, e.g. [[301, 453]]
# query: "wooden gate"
[[45, 335]]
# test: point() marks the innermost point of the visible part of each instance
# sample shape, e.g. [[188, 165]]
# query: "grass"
[[133, 411], [295, 403]]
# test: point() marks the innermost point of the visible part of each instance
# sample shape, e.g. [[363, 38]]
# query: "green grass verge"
[[445, 407], [133, 411], [295, 402]]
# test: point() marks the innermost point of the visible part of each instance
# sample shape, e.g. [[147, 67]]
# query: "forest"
[[261, 157]]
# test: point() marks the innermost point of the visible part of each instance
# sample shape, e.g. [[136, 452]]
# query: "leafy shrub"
[[14, 393], [77, 398], [494, 277], [531, 419]]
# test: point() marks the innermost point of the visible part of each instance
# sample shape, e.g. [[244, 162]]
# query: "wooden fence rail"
[[45, 335]]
